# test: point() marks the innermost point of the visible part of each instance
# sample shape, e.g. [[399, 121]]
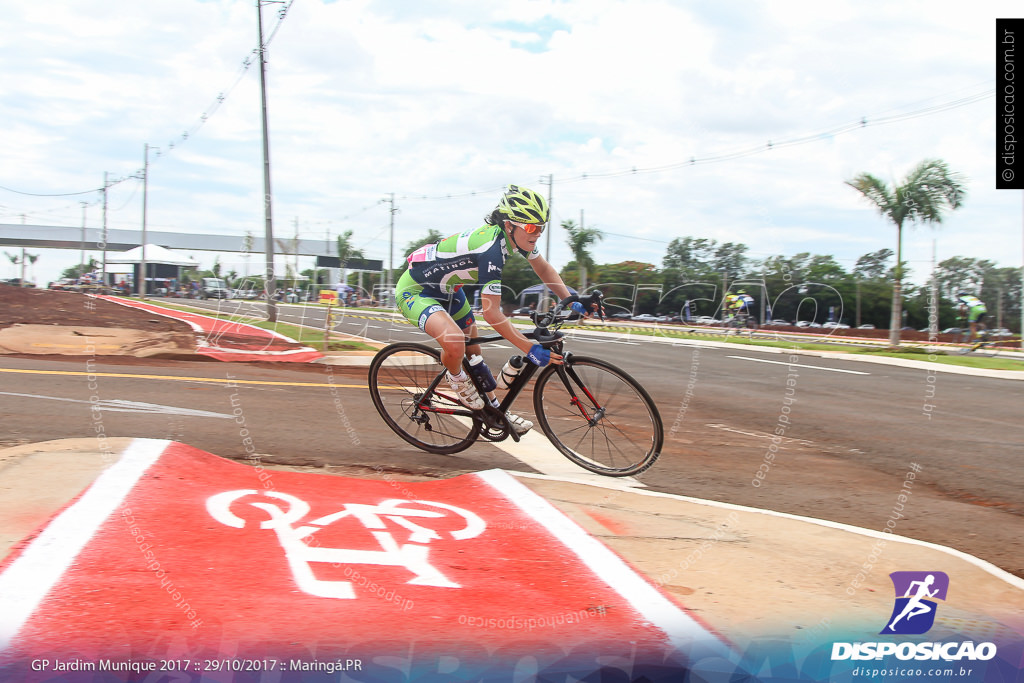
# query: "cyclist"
[[972, 309], [430, 293], [739, 303]]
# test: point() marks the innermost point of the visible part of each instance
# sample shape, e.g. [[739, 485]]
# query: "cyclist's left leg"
[[975, 321], [422, 305], [463, 316]]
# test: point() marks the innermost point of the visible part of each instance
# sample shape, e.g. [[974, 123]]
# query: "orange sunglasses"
[[530, 228]]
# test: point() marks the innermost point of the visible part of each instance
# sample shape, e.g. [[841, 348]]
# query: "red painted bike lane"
[[183, 559], [230, 340]]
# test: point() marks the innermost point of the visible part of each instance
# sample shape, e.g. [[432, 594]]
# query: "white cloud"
[[371, 97]]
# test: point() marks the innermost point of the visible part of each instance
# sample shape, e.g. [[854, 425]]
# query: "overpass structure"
[[116, 240]]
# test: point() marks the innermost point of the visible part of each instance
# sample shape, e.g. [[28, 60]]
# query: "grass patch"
[[967, 361], [304, 335]]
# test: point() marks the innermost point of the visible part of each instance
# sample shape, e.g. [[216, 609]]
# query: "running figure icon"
[[915, 605]]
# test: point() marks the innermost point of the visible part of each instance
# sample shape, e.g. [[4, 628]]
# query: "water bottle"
[[509, 373], [483, 375]]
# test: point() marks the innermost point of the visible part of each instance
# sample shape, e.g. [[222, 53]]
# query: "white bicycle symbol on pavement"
[[412, 554]]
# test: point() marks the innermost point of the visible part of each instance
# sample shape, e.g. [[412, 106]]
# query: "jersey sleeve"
[[490, 264]]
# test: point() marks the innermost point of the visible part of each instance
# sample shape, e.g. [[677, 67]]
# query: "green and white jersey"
[[473, 257]]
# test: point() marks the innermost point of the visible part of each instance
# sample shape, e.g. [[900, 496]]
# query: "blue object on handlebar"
[[539, 355], [579, 308]]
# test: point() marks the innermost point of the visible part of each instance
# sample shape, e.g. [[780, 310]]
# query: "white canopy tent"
[[154, 254], [163, 266]]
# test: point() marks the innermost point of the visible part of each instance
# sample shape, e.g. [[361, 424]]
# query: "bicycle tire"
[[985, 346], [399, 374], [629, 434]]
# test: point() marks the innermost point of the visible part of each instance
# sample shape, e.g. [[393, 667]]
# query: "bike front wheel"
[[424, 412], [599, 417]]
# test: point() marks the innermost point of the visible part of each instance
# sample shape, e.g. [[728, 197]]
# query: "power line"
[[203, 118], [760, 148]]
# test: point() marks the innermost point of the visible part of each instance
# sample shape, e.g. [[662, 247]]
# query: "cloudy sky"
[[444, 102]]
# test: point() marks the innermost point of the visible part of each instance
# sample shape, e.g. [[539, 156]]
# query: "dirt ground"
[[27, 317], [45, 307]]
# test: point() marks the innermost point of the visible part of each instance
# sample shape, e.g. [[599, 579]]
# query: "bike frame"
[[565, 372]]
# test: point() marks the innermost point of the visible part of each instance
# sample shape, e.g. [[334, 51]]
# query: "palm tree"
[[920, 198], [579, 239], [345, 249], [13, 258], [32, 258], [346, 252]]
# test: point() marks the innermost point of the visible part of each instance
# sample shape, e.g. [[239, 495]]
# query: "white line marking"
[[760, 435], [682, 630], [799, 365], [535, 450], [34, 573], [120, 406]]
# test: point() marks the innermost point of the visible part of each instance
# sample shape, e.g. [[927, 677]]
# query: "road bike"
[[594, 413], [980, 344], [742, 320]]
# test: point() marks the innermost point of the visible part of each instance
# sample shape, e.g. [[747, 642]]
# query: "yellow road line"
[[215, 380]]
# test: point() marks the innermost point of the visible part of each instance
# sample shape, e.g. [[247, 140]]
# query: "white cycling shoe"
[[519, 425], [468, 395]]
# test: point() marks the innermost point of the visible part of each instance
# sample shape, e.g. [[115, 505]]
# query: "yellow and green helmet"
[[523, 205]]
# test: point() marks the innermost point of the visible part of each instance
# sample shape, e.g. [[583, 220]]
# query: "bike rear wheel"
[[400, 380], [599, 417], [982, 345]]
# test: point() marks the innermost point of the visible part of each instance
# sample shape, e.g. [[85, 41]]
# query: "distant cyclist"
[[738, 304], [430, 293], [972, 309]]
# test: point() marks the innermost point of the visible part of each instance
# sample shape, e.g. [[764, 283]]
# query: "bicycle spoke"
[[401, 378], [624, 434]]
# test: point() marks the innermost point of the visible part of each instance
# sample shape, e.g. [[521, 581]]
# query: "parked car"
[[866, 326], [1001, 332], [835, 326], [807, 323], [523, 310], [706, 320], [777, 323], [214, 288], [622, 316], [645, 317]]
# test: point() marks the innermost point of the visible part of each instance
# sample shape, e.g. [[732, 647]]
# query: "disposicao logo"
[[916, 595], [913, 613]]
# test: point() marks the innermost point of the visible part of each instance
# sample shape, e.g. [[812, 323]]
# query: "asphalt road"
[[934, 456]]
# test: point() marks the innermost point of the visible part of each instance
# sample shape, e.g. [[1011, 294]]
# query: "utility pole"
[[105, 186], [933, 314], [145, 192], [296, 247], [271, 285], [391, 250], [82, 261], [550, 182], [857, 286]]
